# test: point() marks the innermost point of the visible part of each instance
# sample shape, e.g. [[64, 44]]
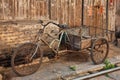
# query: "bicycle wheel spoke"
[[24, 59], [99, 51]]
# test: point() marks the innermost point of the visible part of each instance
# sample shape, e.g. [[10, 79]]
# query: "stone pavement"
[[115, 75]]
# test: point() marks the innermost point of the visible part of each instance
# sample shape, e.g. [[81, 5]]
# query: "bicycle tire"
[[21, 60], [99, 50]]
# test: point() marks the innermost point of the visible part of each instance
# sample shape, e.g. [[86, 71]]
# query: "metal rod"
[[97, 74]]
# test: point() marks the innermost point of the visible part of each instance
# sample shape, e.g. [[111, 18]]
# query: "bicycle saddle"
[[63, 26]]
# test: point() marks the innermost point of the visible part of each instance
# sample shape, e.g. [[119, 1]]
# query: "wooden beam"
[[82, 14]]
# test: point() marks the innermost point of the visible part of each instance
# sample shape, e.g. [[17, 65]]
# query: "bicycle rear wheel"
[[27, 59], [99, 50]]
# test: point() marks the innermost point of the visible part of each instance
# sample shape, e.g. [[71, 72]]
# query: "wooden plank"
[[28, 9], [46, 9], [15, 7], [1, 10], [53, 9], [59, 10], [85, 12], [66, 9], [72, 13], [86, 43], [37, 9], [78, 13], [25, 9], [12, 9], [63, 11]]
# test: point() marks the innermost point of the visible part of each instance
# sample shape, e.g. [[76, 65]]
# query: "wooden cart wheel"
[[99, 50], [24, 61]]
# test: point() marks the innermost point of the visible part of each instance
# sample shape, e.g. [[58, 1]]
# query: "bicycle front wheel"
[[26, 59]]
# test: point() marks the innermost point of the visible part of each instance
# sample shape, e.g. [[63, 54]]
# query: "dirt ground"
[[55, 67]]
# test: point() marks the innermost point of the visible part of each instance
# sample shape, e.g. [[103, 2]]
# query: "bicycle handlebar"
[[63, 26]]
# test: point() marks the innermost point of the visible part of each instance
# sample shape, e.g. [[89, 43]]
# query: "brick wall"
[[12, 35]]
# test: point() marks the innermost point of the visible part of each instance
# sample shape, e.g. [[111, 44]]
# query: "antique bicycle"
[[28, 57]]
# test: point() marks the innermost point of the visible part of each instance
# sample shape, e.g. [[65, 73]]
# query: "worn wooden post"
[[107, 17], [49, 8], [82, 14], [3, 5]]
